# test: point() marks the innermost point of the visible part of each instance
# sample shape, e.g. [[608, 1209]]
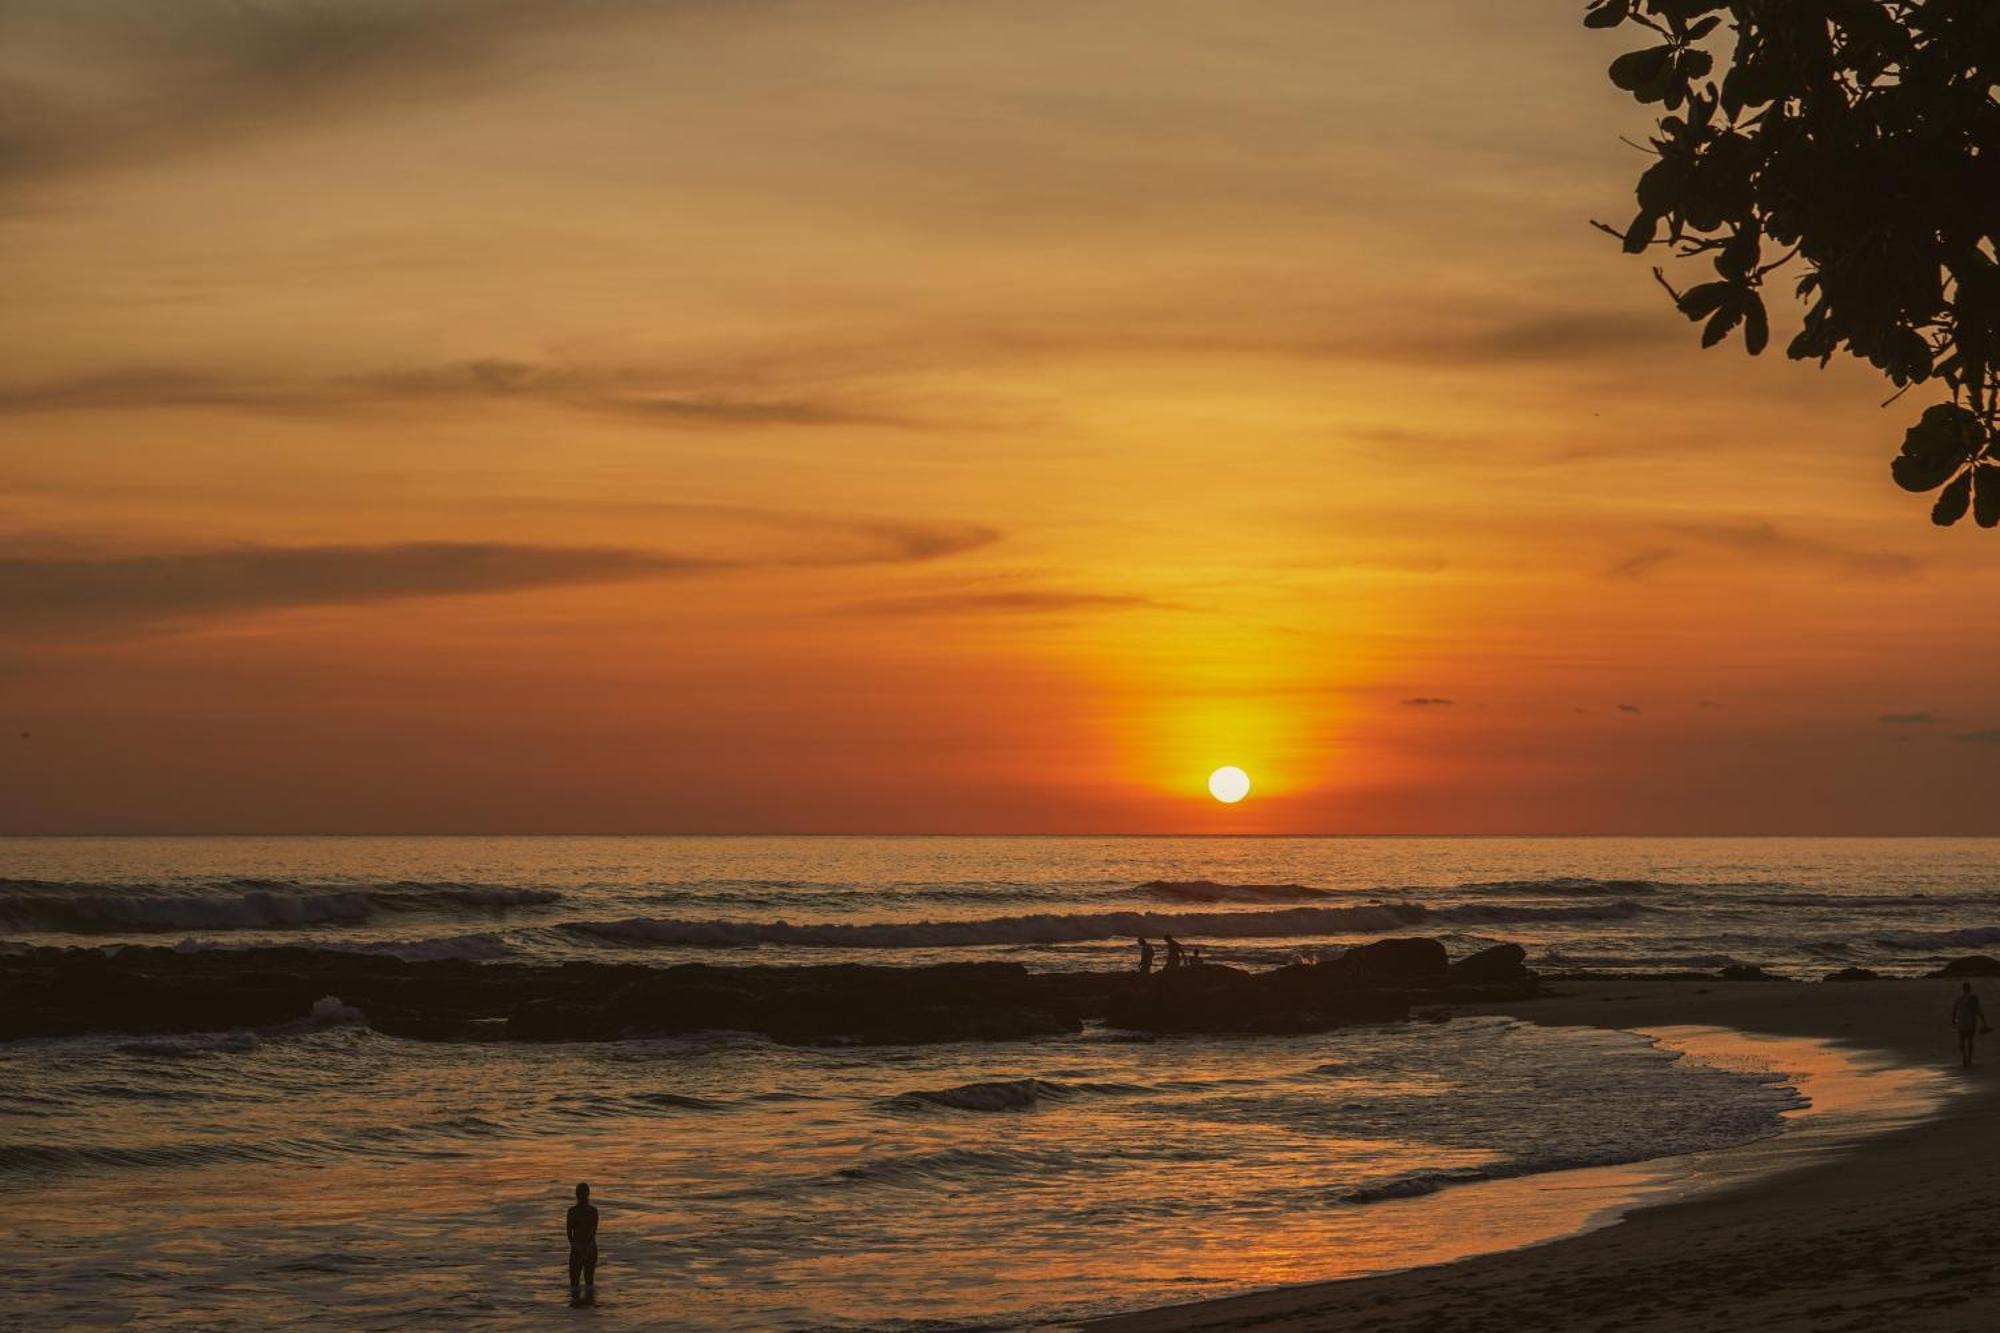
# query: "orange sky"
[[599, 415]]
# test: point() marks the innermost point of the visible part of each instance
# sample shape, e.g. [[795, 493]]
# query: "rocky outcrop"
[[1397, 962], [1975, 965], [1209, 998], [1746, 972], [54, 992], [1853, 974], [57, 992], [1370, 983], [1501, 965]]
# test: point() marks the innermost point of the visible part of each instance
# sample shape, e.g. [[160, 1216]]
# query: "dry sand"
[[1899, 1232]]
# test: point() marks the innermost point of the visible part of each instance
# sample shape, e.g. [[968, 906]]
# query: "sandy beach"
[[1896, 1233]]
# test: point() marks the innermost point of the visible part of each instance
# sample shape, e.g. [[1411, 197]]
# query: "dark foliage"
[[1858, 142]]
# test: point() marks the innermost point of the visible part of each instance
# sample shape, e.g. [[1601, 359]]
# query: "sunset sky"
[[739, 415]]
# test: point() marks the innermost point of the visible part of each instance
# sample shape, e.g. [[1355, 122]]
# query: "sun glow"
[[1229, 784]]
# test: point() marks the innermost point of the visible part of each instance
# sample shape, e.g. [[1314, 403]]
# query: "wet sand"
[[1894, 1231]]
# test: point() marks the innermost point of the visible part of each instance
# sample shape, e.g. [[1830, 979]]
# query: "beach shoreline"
[[1806, 1230]]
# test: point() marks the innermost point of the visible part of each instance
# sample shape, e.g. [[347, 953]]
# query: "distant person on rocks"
[[1174, 958], [1969, 1019], [1145, 957], [582, 1230]]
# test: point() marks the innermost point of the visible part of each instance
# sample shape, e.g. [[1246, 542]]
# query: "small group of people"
[[1178, 957]]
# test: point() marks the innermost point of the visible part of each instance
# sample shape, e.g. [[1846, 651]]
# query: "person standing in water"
[[581, 1227], [1969, 1019], [1145, 957], [1173, 953]]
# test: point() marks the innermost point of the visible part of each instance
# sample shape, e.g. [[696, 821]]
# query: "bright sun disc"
[[1229, 784]]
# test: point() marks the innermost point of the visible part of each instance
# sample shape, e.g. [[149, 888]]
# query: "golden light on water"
[[1229, 784]]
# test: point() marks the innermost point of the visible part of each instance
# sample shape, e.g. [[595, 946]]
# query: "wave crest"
[[102, 909], [1063, 928], [1212, 891]]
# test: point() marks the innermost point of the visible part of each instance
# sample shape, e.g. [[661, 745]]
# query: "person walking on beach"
[[1173, 953], [581, 1227], [1145, 957], [1969, 1019]]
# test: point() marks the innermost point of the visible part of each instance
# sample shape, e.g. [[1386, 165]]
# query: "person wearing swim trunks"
[[582, 1230]]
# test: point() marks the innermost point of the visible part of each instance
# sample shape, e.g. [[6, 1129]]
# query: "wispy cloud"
[[1988, 736], [115, 82], [1555, 335], [1641, 563], [1921, 718], [65, 592], [1426, 701], [1766, 541], [689, 397], [1014, 601], [57, 592]]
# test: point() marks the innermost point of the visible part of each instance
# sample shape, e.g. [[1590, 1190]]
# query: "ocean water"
[[1799, 906], [323, 1174]]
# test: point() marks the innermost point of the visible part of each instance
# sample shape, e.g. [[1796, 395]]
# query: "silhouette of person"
[[1969, 1018], [1145, 957], [581, 1227], [1173, 953]]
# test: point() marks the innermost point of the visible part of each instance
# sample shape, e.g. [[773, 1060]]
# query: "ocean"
[[320, 1173]]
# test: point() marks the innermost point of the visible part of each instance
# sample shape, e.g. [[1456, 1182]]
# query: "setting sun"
[[1229, 784]]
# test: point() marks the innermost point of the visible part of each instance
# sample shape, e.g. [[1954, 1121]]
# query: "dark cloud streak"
[[66, 593], [93, 593], [688, 398], [1765, 541], [1016, 601], [174, 78]]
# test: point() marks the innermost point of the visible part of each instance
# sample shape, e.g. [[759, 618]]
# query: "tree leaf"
[[1701, 301], [1636, 69], [1722, 322], [1640, 234], [1943, 440], [1986, 496], [1952, 500], [1756, 324], [1607, 14]]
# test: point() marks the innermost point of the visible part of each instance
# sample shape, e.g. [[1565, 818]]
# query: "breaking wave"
[[1209, 891], [1014, 1094], [1056, 928], [100, 909]]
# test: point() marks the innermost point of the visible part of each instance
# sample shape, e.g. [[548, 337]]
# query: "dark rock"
[[56, 992], [1746, 972], [1853, 974], [1223, 999], [1976, 965], [1503, 964], [1394, 962]]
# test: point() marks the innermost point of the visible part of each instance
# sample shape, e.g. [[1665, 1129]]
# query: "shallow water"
[[263, 1178]]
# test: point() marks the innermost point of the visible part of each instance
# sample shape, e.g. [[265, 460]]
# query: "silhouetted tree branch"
[[1862, 139]]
